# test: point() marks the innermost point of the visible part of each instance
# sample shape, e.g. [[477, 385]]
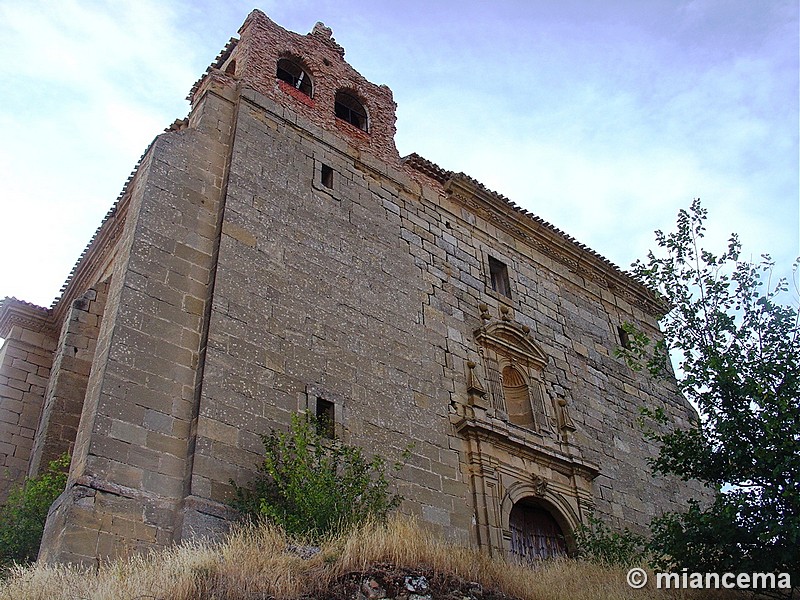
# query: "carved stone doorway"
[[535, 534]]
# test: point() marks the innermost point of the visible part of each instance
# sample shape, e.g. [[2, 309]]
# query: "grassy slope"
[[253, 563]]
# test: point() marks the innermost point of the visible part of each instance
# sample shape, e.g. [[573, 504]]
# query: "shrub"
[[25, 511], [314, 486], [598, 543]]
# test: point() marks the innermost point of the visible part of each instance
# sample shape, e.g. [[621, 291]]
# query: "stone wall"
[[25, 361], [307, 304], [368, 293], [66, 389], [134, 450]]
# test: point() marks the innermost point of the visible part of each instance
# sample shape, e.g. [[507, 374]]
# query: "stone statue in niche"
[[564, 421]]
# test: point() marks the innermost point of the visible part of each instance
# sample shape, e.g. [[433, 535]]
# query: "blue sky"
[[604, 118]]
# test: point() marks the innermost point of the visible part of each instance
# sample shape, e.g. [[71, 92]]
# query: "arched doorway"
[[535, 534]]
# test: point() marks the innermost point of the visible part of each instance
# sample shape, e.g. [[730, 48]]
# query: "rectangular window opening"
[[327, 176], [325, 418], [498, 273], [624, 338]]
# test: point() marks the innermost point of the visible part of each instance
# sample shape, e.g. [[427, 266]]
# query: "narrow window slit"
[[624, 338], [498, 273], [327, 176], [325, 418]]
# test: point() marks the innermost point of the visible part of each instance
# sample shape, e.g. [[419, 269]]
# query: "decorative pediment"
[[513, 341]]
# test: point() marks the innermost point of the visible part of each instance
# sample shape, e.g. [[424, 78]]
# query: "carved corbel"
[[539, 485], [484, 308]]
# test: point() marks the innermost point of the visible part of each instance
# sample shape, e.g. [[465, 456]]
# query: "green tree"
[[737, 351], [313, 486], [598, 543], [23, 515]]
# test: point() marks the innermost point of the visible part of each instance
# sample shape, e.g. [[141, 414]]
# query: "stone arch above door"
[[538, 494]]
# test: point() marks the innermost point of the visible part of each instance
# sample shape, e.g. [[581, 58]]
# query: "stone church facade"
[[273, 254]]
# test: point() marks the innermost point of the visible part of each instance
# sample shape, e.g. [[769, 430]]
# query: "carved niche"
[[512, 369]]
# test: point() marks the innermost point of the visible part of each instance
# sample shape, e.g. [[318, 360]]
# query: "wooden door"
[[535, 534]]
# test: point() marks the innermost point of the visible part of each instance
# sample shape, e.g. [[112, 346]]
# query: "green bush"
[[314, 486], [597, 542], [25, 511]]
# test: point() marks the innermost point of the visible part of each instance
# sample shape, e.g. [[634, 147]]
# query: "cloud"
[[604, 122], [608, 140], [87, 91]]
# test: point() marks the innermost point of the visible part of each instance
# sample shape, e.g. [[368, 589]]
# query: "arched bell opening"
[[290, 71], [348, 107]]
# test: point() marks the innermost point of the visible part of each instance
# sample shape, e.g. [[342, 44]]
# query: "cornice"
[[428, 168], [23, 314], [526, 445], [549, 241]]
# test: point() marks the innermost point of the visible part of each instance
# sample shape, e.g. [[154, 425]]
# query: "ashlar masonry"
[[272, 254]]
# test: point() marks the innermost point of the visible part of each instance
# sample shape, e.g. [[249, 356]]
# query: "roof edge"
[[14, 312], [545, 237]]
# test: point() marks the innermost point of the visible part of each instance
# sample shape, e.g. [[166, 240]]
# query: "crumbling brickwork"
[[273, 253]]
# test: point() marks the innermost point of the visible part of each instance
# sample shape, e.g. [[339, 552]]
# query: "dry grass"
[[253, 563]]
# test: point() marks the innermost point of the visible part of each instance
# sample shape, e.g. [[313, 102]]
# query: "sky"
[[603, 118]]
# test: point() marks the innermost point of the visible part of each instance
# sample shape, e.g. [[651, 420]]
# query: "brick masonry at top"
[[263, 43]]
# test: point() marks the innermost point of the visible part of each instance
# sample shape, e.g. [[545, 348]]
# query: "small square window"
[[327, 176], [498, 273], [325, 415]]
